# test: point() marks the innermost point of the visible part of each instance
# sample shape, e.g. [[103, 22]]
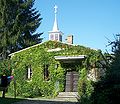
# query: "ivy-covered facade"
[[45, 69]]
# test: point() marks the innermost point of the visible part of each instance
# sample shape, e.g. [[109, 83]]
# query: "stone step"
[[67, 99], [68, 96]]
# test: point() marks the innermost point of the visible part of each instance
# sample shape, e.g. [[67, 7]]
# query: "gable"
[[57, 48]]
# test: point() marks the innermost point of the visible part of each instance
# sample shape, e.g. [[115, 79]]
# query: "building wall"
[[38, 58]]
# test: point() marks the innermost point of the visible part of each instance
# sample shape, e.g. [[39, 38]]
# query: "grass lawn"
[[9, 100]]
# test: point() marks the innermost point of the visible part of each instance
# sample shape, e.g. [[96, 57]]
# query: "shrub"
[[85, 87]]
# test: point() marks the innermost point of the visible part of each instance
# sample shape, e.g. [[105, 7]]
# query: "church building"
[[48, 68]]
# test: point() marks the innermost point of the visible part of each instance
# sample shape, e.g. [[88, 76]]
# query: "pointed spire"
[[55, 34], [55, 26]]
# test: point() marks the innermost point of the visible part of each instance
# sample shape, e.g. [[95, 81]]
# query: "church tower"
[[55, 34]]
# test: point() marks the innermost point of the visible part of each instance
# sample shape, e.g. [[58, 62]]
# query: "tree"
[[107, 91], [18, 22], [30, 21], [6, 24]]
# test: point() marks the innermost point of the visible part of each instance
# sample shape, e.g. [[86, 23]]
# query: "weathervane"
[[55, 7]]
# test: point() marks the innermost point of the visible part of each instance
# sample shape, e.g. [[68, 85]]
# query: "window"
[[60, 37], [51, 37], [56, 36], [29, 72], [46, 73]]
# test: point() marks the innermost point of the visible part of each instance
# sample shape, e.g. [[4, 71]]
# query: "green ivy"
[[37, 57], [85, 87], [6, 67]]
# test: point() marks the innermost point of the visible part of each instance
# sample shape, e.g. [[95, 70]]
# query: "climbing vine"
[[37, 57], [6, 67]]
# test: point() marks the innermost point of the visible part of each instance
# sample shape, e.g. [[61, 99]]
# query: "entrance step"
[[68, 96]]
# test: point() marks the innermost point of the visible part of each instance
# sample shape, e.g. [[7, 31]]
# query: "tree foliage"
[[6, 67], [107, 91], [85, 87], [18, 23]]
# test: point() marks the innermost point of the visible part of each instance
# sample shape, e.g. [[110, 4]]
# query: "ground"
[[9, 100], [44, 102]]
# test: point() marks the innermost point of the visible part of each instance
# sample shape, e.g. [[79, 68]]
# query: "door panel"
[[71, 81]]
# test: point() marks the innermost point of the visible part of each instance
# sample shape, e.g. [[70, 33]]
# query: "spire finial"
[[55, 7]]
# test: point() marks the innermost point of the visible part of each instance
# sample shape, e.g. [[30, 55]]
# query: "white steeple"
[[55, 34], [55, 26]]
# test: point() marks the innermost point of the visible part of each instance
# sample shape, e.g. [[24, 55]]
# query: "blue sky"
[[90, 21]]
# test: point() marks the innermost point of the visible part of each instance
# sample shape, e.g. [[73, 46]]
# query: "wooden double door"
[[72, 78]]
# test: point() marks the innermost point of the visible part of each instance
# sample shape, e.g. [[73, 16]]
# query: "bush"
[[85, 87]]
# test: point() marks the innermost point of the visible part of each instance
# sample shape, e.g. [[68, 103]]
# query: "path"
[[44, 101]]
